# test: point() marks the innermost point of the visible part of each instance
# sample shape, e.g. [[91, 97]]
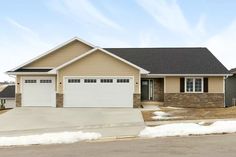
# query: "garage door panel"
[[109, 94], [38, 91]]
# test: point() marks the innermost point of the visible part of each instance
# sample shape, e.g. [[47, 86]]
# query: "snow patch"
[[150, 107], [186, 129], [164, 118], [174, 108], [49, 138], [202, 123], [161, 114]]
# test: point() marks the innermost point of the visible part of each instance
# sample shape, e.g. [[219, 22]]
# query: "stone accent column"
[[159, 89], [59, 100], [18, 99], [137, 100]]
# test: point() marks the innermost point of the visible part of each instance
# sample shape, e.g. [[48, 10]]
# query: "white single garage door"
[[98, 92], [38, 91]]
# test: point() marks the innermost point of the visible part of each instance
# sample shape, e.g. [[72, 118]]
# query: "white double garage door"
[[79, 91]]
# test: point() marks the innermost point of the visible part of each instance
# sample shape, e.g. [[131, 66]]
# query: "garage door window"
[[106, 80], [122, 80], [45, 81], [74, 81], [90, 80], [30, 81]]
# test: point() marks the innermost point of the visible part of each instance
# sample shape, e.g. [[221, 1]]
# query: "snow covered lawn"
[[186, 129], [49, 138]]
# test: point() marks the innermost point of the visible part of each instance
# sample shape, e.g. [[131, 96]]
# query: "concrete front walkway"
[[116, 122]]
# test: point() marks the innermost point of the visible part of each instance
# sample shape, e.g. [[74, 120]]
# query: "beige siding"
[[216, 84], [99, 64], [18, 80], [172, 84], [61, 55]]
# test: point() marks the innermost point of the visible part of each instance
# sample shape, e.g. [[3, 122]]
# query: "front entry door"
[[145, 90]]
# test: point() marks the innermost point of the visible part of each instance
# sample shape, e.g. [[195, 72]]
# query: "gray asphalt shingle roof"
[[8, 92], [172, 60], [32, 70]]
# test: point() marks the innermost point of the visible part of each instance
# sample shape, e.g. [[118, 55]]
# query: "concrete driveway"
[[107, 121]]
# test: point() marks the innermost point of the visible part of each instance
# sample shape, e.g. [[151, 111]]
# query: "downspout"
[[224, 88]]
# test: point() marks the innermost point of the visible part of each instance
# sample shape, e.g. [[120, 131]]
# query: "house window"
[[90, 80], [106, 80], [193, 85], [30, 81], [45, 81], [122, 80], [198, 85], [73, 80]]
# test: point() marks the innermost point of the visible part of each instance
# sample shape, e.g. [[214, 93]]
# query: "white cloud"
[[83, 10], [24, 45], [169, 14], [223, 45], [16, 24], [27, 34]]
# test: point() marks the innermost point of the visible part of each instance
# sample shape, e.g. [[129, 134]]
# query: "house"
[[7, 93], [79, 74], [230, 89]]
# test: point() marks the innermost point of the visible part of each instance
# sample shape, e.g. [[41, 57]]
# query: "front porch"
[[152, 91]]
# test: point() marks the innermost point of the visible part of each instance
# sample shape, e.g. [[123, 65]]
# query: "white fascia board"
[[163, 75], [142, 71], [53, 50]]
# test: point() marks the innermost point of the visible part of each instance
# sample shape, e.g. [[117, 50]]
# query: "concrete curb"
[[156, 123]]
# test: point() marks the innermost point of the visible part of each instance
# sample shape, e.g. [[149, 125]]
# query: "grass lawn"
[[193, 113]]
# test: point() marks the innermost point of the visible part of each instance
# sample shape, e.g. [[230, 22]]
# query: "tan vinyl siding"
[[172, 84], [216, 84], [99, 64], [61, 55]]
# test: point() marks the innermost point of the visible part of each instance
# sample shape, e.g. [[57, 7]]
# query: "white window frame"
[[194, 78]]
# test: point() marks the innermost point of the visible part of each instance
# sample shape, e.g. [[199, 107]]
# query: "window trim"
[[122, 80], [194, 79], [90, 80], [106, 80], [30, 81], [46, 81], [73, 80]]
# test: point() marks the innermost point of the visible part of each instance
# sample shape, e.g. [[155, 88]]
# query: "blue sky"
[[29, 28]]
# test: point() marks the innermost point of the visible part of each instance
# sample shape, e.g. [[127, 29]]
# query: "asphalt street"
[[193, 146]]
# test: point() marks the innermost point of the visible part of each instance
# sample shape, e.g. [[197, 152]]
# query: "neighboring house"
[[7, 93], [78, 74], [230, 89]]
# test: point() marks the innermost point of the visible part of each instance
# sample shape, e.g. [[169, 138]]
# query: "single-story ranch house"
[[79, 74], [7, 94]]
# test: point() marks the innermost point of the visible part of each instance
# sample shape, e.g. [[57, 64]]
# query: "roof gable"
[[52, 51]]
